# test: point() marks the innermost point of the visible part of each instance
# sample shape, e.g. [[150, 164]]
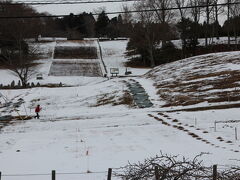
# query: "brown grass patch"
[[219, 138], [150, 115], [105, 99], [180, 128], [81, 52], [193, 135], [126, 99], [165, 123], [227, 106], [189, 92]]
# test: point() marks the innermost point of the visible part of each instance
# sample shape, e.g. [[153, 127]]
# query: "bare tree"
[[195, 10], [20, 63], [169, 168], [228, 18], [217, 11], [126, 16], [207, 3], [15, 54], [147, 20], [180, 4], [195, 13], [234, 12], [163, 15], [183, 13]]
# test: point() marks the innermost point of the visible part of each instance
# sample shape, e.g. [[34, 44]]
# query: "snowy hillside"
[[91, 124], [211, 79]]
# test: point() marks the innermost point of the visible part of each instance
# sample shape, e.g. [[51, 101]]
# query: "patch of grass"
[[193, 135], [126, 99], [23, 117], [107, 98], [226, 106], [180, 128], [82, 52], [190, 90]]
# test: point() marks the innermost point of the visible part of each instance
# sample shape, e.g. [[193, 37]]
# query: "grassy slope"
[[213, 79]]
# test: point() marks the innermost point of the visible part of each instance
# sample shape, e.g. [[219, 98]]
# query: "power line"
[[121, 12], [67, 2]]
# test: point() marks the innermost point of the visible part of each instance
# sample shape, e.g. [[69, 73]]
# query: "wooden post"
[[235, 135], [215, 172], [215, 126], [109, 173], [157, 173], [53, 175]]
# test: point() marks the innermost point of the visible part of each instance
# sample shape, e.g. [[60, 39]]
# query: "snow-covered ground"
[[114, 58], [201, 41], [76, 135]]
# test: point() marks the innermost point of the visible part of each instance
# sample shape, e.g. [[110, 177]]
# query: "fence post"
[[0, 175], [109, 173], [53, 175], [215, 126], [157, 173], [215, 172], [236, 136]]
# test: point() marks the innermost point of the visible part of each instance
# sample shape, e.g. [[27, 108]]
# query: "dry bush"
[[169, 168], [105, 99], [126, 99], [173, 168]]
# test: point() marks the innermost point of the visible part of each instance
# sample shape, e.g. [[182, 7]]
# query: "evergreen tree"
[[102, 24]]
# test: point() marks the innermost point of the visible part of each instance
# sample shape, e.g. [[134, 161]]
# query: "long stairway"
[[76, 58], [139, 94]]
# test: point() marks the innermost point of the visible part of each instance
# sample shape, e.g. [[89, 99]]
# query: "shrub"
[[12, 84]]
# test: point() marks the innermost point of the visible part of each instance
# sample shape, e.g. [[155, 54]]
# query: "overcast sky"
[[64, 9]]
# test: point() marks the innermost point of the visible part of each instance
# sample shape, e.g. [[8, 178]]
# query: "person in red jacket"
[[37, 110]]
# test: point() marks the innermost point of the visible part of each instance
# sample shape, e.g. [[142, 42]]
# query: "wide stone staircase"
[[76, 68], [76, 58]]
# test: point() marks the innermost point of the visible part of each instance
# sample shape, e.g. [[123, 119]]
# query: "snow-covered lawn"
[[113, 56], [75, 135]]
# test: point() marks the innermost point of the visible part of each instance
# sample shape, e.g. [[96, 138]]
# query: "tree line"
[[167, 20], [187, 20]]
